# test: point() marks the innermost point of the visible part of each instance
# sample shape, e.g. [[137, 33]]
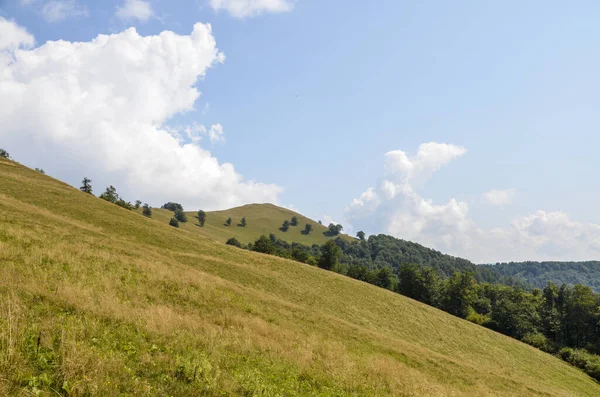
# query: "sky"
[[469, 127]]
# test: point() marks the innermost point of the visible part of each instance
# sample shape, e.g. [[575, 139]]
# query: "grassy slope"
[[261, 219], [126, 305]]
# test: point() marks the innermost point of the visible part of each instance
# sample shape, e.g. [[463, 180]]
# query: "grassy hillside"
[[261, 219], [98, 300]]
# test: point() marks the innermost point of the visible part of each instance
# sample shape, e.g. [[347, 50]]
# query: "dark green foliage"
[[138, 203], [294, 221], [173, 207], [233, 241], [537, 274], [460, 294], [361, 235], [330, 253], [40, 170], [228, 221], [201, 218], [422, 284], [334, 230], [181, 216], [4, 154], [243, 223], [264, 245], [285, 226], [589, 363], [147, 210], [111, 196], [86, 185], [384, 278], [307, 229], [174, 222]]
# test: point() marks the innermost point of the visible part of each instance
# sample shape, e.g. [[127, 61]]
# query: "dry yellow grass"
[[98, 300]]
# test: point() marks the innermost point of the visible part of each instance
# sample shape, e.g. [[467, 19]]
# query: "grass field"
[[261, 219], [98, 300]]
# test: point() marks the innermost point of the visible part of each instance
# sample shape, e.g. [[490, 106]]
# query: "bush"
[[294, 221], [180, 216], [228, 221], [201, 217], [147, 211], [243, 223], [234, 241], [40, 170], [589, 363], [264, 245], [138, 204], [173, 207], [538, 340], [174, 222], [4, 154], [285, 226]]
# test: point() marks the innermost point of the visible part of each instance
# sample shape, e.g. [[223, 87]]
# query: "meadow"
[[99, 300]]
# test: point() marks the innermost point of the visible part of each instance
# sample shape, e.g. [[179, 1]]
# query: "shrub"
[[264, 245], [201, 218], [174, 222], [307, 228], [537, 340], [243, 222], [173, 207], [228, 221], [234, 241], [294, 221], [147, 211], [181, 216], [138, 203], [580, 358], [4, 154], [285, 226], [40, 170]]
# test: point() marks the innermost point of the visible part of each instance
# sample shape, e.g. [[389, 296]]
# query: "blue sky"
[[311, 95]]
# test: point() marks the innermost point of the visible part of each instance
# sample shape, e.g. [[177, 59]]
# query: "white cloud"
[[196, 132], [13, 36], [499, 197], [99, 109], [398, 209], [135, 9], [59, 10], [250, 8]]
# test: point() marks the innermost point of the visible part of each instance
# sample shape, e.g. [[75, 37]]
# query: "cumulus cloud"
[[499, 197], [13, 36], [395, 207], [251, 8], [196, 132], [135, 9], [99, 109]]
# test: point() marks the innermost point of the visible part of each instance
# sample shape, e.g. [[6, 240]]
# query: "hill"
[[98, 300], [538, 274], [262, 219]]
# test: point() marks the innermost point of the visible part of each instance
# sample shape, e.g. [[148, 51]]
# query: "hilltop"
[[99, 300], [262, 219]]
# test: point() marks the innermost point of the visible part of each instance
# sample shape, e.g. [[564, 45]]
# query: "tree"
[[147, 211], [138, 203], [330, 253], [228, 221], [243, 222], [294, 221], [308, 228], [173, 207], [384, 278], [264, 245], [201, 218], [181, 216], [361, 235], [110, 195], [285, 226], [460, 294], [234, 241], [174, 222], [40, 170], [334, 230], [4, 154], [86, 185]]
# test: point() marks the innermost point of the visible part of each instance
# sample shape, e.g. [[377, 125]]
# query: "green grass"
[[261, 219], [98, 300]]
